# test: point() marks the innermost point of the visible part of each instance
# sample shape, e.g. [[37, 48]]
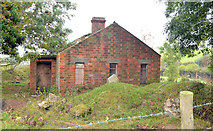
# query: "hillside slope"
[[112, 101]]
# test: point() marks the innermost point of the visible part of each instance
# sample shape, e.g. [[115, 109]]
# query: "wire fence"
[[134, 117]]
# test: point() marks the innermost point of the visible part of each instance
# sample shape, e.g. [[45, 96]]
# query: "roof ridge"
[[114, 23], [86, 37]]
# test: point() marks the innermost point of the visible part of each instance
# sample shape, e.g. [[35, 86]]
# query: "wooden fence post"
[[186, 110]]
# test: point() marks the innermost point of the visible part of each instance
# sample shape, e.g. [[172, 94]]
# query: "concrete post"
[[186, 110]]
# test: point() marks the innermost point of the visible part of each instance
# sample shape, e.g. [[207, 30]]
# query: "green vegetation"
[[191, 67], [171, 57], [164, 79], [35, 26], [189, 25], [86, 105], [112, 101], [15, 81], [191, 59]]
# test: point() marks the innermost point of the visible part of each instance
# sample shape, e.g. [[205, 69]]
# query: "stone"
[[176, 100], [170, 105], [51, 100], [80, 110], [19, 120], [44, 104], [113, 79]]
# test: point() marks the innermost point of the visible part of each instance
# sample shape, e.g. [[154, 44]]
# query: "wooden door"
[[143, 73], [43, 75]]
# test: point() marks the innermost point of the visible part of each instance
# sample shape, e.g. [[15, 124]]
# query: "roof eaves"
[[47, 57]]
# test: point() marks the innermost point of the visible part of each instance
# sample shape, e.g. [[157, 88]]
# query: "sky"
[[140, 17]]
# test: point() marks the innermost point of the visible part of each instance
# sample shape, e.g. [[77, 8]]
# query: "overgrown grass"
[[118, 100], [20, 74]]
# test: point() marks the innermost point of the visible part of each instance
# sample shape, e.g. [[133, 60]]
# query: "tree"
[[192, 68], [182, 69], [11, 27], [46, 30], [38, 27], [171, 58], [190, 25], [162, 65]]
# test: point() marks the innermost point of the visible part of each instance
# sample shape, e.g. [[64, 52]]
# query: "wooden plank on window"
[[79, 74], [143, 73]]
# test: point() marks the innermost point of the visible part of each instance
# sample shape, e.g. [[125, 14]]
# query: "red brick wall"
[[114, 42], [33, 65], [58, 70], [33, 70]]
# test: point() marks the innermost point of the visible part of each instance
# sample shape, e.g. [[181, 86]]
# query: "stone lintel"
[[79, 60], [144, 61], [113, 61]]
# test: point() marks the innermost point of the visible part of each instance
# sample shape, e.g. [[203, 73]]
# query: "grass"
[[15, 82], [109, 101], [112, 101]]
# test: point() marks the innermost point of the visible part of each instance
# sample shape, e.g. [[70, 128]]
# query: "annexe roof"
[[81, 39], [47, 57]]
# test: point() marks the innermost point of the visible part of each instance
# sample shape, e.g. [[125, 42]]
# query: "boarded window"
[[143, 73], [79, 73], [113, 69]]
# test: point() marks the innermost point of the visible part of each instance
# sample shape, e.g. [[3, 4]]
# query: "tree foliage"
[[171, 57], [192, 67], [11, 26], [46, 29], [35, 26], [191, 26], [182, 67]]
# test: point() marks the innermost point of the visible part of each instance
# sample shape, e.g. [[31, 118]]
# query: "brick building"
[[93, 58]]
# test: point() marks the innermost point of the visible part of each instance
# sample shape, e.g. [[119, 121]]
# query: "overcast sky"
[[140, 17]]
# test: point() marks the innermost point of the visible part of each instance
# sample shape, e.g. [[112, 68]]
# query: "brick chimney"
[[97, 23]]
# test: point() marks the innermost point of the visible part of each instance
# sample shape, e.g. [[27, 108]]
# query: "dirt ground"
[[168, 126], [12, 104]]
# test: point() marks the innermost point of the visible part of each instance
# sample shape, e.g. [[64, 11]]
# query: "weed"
[[44, 91]]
